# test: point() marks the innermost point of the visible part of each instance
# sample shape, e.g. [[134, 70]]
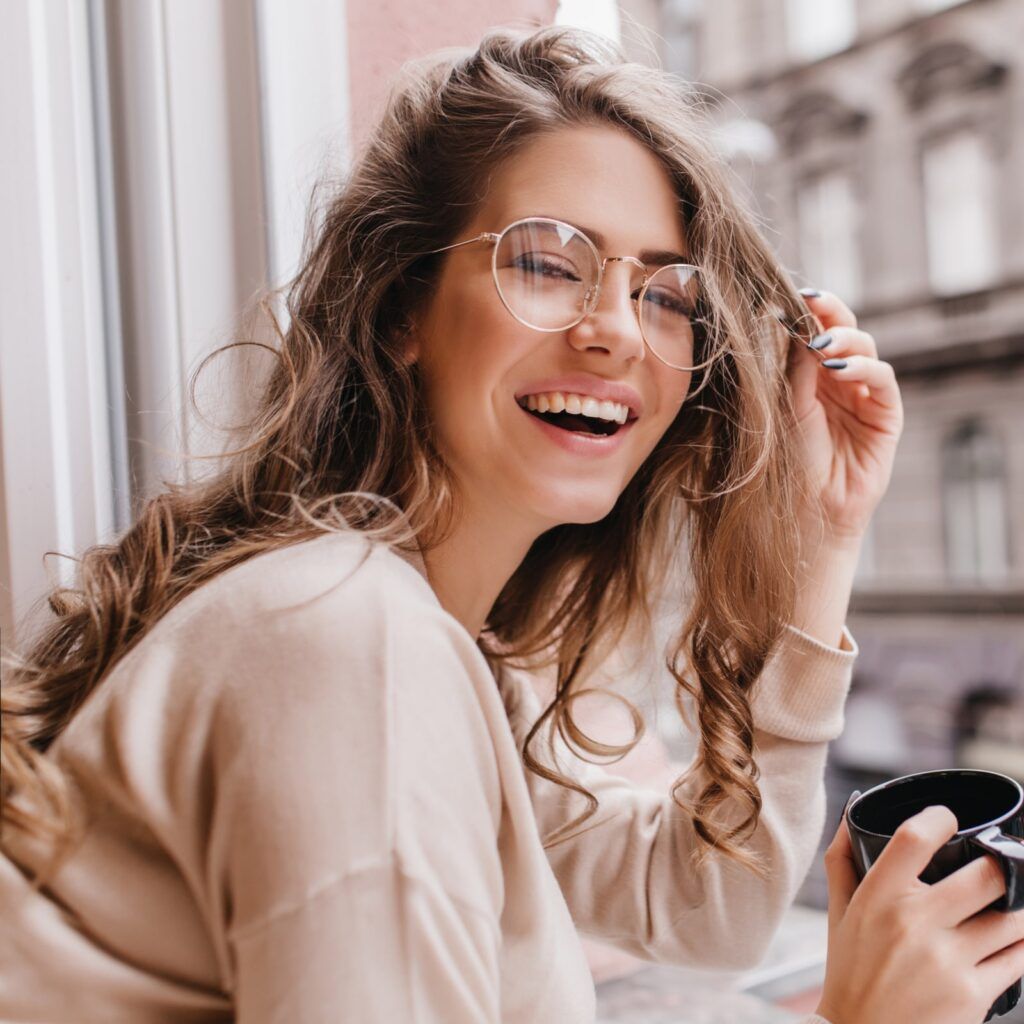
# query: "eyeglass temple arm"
[[488, 236]]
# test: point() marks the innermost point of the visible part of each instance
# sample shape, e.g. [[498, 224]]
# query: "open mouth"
[[578, 424], [568, 414]]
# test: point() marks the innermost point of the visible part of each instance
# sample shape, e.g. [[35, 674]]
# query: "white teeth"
[[577, 405]]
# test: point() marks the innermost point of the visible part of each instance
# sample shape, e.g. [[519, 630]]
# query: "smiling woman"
[[535, 350], [573, 311]]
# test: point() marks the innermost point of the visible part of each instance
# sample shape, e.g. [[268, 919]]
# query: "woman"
[[279, 758]]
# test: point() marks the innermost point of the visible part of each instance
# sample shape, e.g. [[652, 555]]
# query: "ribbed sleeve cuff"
[[814, 1018], [802, 691]]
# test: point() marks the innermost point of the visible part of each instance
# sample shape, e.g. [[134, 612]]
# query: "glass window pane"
[[828, 225], [960, 531], [819, 27], [990, 523], [958, 183], [974, 498]]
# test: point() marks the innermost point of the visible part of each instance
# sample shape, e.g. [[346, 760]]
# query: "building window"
[[958, 195], [974, 482], [681, 22], [817, 28], [829, 220], [600, 16]]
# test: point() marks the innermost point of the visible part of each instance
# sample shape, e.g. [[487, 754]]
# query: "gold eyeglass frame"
[[593, 294]]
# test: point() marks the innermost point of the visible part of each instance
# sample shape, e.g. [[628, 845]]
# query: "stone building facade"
[[882, 144]]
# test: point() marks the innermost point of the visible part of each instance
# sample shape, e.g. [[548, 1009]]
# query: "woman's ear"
[[409, 342]]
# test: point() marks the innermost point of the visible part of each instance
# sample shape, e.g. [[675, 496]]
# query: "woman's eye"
[[538, 263], [670, 301]]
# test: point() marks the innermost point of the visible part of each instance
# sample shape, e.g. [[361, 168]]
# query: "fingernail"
[[834, 364], [820, 341], [810, 293]]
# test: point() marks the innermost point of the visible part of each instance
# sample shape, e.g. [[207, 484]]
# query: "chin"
[[580, 506]]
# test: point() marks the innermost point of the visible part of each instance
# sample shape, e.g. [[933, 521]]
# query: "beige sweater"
[[307, 803]]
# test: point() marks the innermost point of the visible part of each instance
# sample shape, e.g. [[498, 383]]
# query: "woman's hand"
[[902, 951], [850, 418]]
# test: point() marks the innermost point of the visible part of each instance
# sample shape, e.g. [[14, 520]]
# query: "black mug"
[[989, 809]]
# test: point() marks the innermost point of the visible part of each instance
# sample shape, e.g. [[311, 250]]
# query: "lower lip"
[[580, 443]]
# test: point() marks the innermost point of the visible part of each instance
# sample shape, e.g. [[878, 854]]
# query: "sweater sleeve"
[[375, 945], [625, 873], [354, 836]]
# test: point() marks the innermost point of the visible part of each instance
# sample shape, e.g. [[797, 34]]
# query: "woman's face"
[[480, 364]]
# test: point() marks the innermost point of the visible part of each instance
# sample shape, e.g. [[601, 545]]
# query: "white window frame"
[[197, 255], [303, 48], [190, 247], [55, 434]]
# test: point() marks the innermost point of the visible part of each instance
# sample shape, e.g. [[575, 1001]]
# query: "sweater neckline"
[[413, 558]]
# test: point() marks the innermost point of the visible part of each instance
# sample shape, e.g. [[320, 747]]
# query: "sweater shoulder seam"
[[392, 861]]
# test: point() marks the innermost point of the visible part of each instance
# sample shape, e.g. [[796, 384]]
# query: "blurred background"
[[158, 161]]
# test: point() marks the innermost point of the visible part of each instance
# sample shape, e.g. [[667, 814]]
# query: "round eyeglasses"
[[548, 275]]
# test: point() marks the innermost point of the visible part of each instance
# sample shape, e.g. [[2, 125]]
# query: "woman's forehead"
[[599, 179]]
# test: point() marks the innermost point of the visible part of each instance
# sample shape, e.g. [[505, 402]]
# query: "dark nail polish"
[[810, 293], [835, 364], [820, 341]]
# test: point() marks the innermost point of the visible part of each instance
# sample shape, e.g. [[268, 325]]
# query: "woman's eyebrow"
[[662, 257], [651, 257]]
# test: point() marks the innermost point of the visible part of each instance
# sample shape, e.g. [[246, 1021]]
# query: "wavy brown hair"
[[341, 434]]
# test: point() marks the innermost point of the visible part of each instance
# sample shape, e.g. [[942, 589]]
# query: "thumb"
[[803, 372], [842, 873]]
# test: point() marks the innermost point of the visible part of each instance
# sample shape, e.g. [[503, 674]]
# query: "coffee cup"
[[989, 809]]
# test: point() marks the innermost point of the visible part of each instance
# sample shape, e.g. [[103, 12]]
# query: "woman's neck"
[[469, 569]]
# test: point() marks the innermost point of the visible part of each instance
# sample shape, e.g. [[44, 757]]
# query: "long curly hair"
[[340, 434]]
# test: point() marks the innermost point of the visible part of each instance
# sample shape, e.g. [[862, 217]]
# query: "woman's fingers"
[[968, 890], [900, 865], [878, 376], [838, 339], [843, 341], [1003, 969], [988, 933], [829, 309]]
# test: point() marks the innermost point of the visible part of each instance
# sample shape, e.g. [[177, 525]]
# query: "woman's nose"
[[612, 325]]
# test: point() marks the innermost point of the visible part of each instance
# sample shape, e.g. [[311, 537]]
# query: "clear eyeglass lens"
[[545, 272], [667, 314]]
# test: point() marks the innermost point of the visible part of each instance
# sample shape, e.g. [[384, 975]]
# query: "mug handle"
[[1009, 851]]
